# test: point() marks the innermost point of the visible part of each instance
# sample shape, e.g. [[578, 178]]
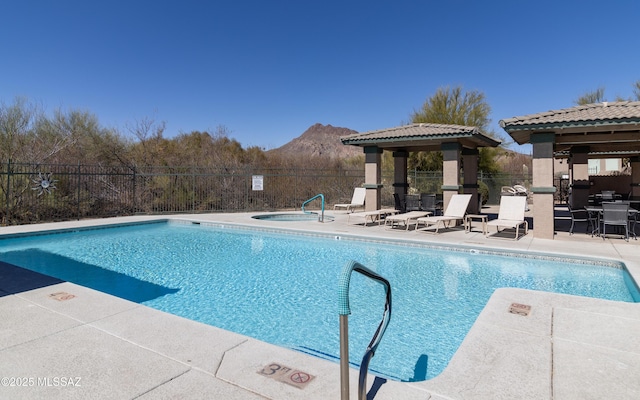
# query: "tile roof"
[[591, 114], [612, 128], [415, 135]]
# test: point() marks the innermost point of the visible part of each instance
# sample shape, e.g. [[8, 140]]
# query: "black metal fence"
[[37, 193], [32, 193]]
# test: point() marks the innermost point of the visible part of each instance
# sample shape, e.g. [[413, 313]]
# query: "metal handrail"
[[344, 311], [321, 217]]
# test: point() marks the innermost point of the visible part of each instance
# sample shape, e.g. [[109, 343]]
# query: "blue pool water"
[[283, 288]]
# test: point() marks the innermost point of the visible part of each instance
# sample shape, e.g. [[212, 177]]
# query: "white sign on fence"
[[257, 182]]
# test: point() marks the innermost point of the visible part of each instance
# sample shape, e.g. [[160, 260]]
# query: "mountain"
[[320, 141]]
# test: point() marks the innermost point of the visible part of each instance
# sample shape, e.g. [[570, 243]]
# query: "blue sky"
[[268, 70]]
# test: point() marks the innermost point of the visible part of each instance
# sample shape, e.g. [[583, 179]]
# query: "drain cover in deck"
[[61, 296], [520, 309]]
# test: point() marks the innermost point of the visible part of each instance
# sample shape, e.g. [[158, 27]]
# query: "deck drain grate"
[[287, 375], [520, 309], [61, 296]]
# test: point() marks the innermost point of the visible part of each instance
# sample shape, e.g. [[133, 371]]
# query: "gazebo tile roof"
[[414, 130], [419, 135], [606, 128], [618, 111]]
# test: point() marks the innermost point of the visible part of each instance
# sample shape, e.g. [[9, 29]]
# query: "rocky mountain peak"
[[321, 141]]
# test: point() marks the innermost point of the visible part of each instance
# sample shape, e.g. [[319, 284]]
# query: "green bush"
[[483, 190]]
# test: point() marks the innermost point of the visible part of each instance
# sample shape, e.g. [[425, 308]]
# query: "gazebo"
[[457, 142], [602, 130]]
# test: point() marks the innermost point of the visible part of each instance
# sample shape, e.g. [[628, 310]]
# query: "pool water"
[[283, 289]]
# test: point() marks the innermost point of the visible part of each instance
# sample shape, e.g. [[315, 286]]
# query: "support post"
[[450, 171], [372, 177], [635, 178], [470, 181], [579, 176], [400, 181], [542, 185]]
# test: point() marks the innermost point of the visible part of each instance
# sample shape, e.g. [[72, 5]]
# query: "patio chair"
[[511, 214], [357, 200], [428, 202], [412, 202], [455, 211], [633, 219], [615, 214], [579, 216], [406, 218]]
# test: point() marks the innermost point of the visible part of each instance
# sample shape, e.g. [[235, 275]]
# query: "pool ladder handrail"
[[345, 310], [321, 217]]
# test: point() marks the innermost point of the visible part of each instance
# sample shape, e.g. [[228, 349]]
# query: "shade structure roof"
[[421, 137], [609, 129]]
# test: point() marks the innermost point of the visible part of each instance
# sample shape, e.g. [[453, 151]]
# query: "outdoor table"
[[470, 217]]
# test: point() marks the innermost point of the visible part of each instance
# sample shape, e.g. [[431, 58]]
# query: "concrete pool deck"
[[61, 340]]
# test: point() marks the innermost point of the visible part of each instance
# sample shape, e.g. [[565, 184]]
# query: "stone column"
[[470, 181], [372, 177], [579, 176], [400, 181], [450, 171], [542, 185]]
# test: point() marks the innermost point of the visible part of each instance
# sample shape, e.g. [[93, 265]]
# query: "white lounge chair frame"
[[511, 214], [357, 200], [455, 212], [405, 218], [372, 216], [508, 191]]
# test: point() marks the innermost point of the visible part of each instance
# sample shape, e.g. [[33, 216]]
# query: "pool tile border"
[[410, 243]]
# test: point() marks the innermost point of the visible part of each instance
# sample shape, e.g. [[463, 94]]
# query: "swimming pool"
[[283, 288]]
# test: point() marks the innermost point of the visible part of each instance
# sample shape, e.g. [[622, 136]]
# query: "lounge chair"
[[511, 214], [357, 200], [406, 218], [507, 191], [522, 191], [455, 211], [372, 216]]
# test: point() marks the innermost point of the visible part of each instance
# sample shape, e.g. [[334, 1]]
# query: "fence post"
[[134, 190], [78, 191], [248, 186], [193, 189], [8, 217]]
